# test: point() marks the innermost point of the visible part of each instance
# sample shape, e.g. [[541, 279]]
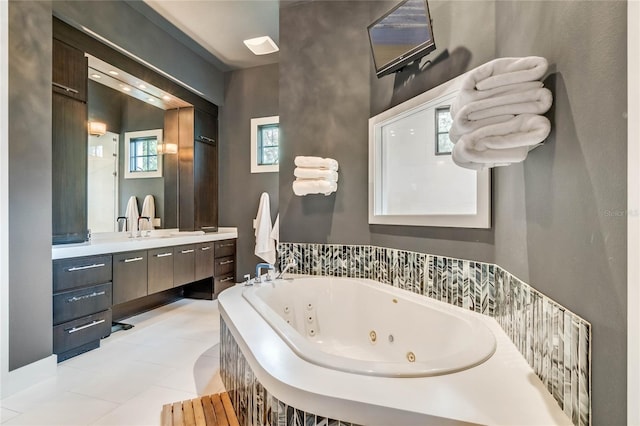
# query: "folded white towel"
[[316, 162], [308, 173], [502, 143], [265, 247], [313, 186], [505, 71], [132, 214], [466, 96], [148, 210]]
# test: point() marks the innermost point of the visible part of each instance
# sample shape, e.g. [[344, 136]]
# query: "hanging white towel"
[[505, 71], [313, 186], [265, 247], [132, 214], [316, 163], [275, 231], [148, 210], [308, 173]]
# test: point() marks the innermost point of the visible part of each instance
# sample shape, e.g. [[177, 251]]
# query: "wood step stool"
[[208, 410]]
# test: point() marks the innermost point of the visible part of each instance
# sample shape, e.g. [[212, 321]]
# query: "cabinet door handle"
[[226, 245], [205, 248], [82, 327], [133, 259], [65, 88], [226, 279], [226, 262], [86, 296], [206, 139], [164, 254], [187, 251], [82, 268]]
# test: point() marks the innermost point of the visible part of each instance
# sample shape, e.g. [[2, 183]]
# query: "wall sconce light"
[[97, 129], [168, 148]]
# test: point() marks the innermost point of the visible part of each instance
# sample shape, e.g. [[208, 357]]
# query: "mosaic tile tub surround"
[[253, 403], [554, 341]]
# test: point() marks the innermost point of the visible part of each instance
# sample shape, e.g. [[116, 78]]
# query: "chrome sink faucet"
[[260, 267]]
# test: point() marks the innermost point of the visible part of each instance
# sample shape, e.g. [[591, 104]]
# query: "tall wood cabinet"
[[69, 144], [196, 133]]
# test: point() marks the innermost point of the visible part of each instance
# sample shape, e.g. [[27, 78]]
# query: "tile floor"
[[171, 354]]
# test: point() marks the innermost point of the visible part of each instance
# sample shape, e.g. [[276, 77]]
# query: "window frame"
[[256, 123], [128, 136]]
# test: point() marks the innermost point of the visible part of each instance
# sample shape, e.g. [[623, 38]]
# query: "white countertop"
[[503, 390], [118, 242]]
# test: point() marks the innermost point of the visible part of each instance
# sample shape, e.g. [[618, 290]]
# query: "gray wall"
[[30, 291], [558, 218], [249, 93], [123, 25]]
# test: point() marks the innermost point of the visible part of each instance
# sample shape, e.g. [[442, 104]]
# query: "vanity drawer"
[[225, 248], [223, 283], [224, 266], [81, 271], [78, 303], [79, 332]]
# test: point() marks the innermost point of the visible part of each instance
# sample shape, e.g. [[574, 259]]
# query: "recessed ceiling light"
[[261, 45], [96, 76], [112, 72], [142, 86], [166, 97], [151, 99], [126, 89]]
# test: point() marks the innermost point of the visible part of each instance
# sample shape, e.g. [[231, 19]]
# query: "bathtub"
[[370, 354], [359, 326]]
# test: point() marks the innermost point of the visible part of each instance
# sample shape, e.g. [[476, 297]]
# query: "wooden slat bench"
[[208, 410]]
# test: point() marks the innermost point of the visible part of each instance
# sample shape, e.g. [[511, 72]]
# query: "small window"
[[141, 153], [265, 144], [444, 146]]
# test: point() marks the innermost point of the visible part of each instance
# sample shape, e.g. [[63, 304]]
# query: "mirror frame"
[[482, 218]]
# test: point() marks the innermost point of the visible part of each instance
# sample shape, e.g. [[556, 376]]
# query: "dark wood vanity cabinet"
[[204, 260], [82, 297], [196, 132], [69, 144], [130, 271], [184, 264], [224, 268], [160, 269]]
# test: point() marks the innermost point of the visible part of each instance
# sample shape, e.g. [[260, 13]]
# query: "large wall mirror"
[[127, 98], [412, 178]]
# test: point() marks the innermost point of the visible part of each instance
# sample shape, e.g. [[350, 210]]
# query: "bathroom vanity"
[[113, 277]]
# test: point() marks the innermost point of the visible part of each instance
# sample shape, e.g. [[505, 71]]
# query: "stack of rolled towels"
[[315, 175], [497, 114]]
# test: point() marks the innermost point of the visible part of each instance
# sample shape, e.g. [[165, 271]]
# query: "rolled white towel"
[[460, 128], [313, 186], [502, 143], [466, 96], [308, 173], [505, 71], [316, 162]]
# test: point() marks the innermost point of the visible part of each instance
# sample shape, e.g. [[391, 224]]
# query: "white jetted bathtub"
[[371, 354], [364, 327]]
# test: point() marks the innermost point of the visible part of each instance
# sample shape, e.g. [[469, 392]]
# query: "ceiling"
[[219, 27]]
